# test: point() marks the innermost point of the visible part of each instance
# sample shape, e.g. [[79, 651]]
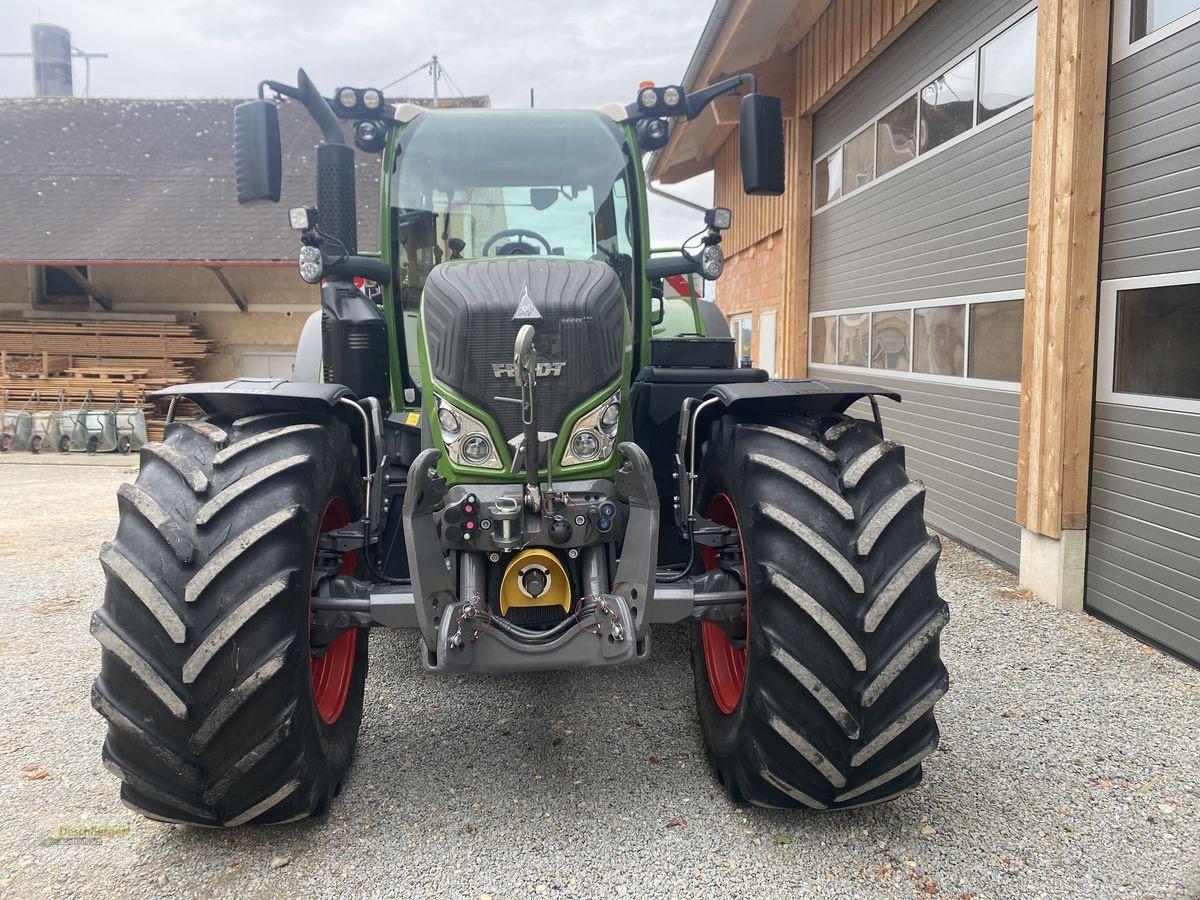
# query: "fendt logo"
[[542, 370]]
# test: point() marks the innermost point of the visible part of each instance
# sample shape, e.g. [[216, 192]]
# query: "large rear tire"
[[827, 698], [219, 713]]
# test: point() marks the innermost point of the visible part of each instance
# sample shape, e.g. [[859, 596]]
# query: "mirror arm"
[[367, 267], [682, 264], [697, 100], [284, 90], [317, 106]]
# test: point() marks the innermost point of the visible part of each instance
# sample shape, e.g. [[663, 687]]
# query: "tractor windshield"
[[470, 184]]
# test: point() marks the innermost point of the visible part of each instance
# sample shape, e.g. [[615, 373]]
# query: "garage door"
[[1144, 534], [921, 166]]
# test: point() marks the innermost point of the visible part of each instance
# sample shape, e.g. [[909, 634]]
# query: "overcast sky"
[[573, 54]]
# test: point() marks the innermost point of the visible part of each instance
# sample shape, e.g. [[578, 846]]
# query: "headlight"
[[610, 417], [348, 98], [448, 420], [712, 261], [585, 445], [369, 136], [671, 96], [649, 98], [476, 448], [311, 265], [372, 99], [594, 435], [466, 438]]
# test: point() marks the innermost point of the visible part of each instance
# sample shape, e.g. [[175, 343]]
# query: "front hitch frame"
[[619, 632]]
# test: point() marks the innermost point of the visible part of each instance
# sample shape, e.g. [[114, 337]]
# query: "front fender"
[[248, 396], [807, 396]]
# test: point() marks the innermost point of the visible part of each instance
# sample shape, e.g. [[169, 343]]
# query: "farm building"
[[993, 208], [121, 208]]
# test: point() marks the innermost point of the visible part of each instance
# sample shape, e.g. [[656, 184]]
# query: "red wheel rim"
[[332, 672], [724, 661]]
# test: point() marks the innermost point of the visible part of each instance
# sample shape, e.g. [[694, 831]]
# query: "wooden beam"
[[92, 291], [797, 234], [716, 139], [229, 288], [682, 171], [724, 110], [1062, 277], [775, 76]]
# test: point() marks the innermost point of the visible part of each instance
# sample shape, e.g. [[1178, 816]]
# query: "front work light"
[[312, 267], [712, 261], [302, 218], [718, 218]]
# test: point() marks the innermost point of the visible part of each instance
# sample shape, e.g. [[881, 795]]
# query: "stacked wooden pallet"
[[106, 358]]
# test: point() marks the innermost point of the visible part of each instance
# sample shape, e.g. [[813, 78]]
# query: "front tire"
[[827, 698], [219, 712]]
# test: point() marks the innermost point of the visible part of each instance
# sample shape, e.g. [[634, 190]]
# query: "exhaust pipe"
[[337, 205]]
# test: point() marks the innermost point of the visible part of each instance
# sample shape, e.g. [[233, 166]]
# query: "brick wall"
[[753, 284]]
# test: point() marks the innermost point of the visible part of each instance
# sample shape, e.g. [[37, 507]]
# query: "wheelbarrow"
[[88, 430], [131, 426], [46, 431], [16, 426]]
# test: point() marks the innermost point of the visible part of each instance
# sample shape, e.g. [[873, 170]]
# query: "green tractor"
[[506, 450]]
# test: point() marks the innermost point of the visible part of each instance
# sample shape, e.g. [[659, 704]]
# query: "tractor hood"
[[472, 310]]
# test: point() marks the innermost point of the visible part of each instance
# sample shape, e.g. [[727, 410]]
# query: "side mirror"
[[658, 306], [760, 121], [543, 198], [257, 158]]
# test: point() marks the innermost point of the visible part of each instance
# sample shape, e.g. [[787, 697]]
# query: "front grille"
[[468, 310]]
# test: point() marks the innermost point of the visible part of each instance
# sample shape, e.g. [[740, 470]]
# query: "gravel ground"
[[1069, 765]]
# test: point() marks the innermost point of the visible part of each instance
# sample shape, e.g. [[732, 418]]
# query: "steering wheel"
[[514, 233]]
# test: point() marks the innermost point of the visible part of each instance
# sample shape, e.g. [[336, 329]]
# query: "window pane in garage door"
[[890, 348], [1158, 331], [858, 160], [897, 136], [948, 105], [854, 338], [828, 178], [996, 340], [938, 343], [824, 340], [1006, 68]]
